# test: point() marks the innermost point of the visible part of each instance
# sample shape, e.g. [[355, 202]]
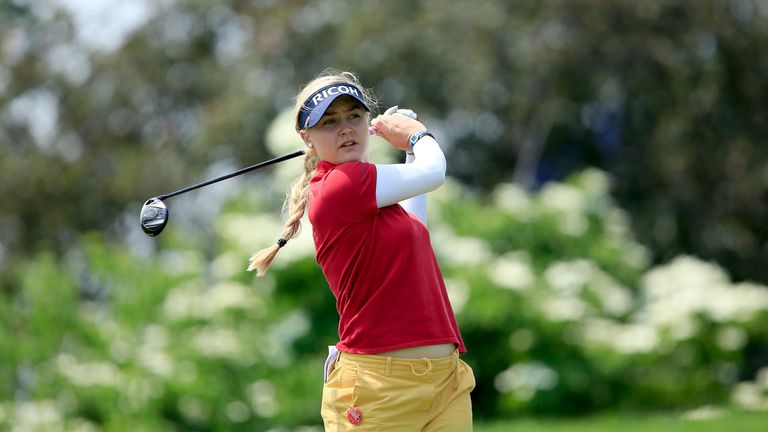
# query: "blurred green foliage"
[[573, 295], [108, 339], [704, 420], [667, 96]]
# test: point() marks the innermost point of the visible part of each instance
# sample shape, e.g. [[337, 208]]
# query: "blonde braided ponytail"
[[296, 203]]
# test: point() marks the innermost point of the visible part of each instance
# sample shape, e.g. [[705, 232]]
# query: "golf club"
[[154, 213], [394, 109]]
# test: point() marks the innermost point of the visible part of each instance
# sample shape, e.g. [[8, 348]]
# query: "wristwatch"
[[416, 136]]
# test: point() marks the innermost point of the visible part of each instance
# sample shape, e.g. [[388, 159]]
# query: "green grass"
[[727, 421]]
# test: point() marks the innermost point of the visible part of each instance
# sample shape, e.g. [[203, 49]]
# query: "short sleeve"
[[348, 192]]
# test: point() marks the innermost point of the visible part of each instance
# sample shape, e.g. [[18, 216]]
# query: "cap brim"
[[317, 112]]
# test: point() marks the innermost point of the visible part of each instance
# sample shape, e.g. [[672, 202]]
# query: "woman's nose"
[[346, 127]]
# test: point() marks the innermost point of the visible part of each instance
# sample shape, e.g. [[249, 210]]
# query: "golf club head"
[[154, 216]]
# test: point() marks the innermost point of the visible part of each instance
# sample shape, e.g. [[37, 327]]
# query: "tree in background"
[[669, 97]]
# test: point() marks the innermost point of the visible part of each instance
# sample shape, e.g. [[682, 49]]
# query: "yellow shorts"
[[377, 393]]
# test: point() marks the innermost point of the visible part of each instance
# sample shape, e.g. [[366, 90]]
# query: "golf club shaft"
[[236, 173]]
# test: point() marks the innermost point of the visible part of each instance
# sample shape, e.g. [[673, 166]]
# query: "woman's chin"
[[353, 155]]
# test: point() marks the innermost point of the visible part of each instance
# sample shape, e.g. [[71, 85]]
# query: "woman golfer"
[[398, 367]]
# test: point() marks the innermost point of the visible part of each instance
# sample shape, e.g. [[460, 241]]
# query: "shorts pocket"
[[467, 376], [339, 391]]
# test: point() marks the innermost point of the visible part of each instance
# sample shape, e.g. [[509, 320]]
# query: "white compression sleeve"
[[416, 205], [399, 182]]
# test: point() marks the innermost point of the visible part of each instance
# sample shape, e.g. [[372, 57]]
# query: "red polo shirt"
[[379, 263]]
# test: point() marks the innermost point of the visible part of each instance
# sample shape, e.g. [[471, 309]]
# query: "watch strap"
[[416, 136]]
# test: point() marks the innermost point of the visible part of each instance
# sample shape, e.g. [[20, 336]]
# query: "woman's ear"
[[305, 137]]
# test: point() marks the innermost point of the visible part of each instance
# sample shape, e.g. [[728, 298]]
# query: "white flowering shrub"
[[560, 308], [159, 349], [563, 312]]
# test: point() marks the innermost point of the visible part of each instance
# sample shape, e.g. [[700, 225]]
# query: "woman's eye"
[[354, 115], [329, 122]]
